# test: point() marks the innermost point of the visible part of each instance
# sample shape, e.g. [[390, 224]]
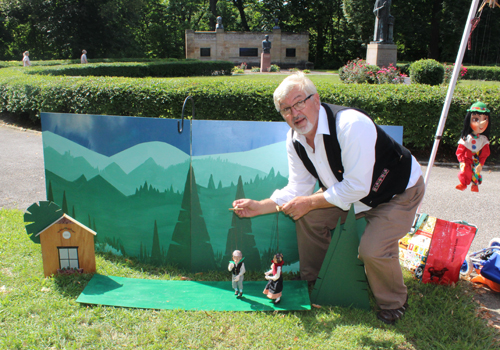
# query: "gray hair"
[[237, 253], [297, 79]]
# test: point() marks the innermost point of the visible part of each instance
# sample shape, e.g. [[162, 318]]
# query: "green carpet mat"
[[189, 295]]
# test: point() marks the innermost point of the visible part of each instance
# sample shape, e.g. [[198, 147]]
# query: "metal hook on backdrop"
[[180, 126]]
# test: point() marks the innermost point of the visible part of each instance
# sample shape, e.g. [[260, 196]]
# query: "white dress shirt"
[[357, 136]]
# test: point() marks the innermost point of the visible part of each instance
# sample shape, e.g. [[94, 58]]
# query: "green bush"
[[427, 71], [482, 73], [159, 69], [358, 71], [274, 68], [416, 107], [404, 68]]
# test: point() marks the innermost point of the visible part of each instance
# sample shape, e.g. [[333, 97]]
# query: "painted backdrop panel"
[[137, 183]]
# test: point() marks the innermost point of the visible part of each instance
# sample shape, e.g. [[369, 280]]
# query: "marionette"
[[473, 146], [237, 268], [274, 276]]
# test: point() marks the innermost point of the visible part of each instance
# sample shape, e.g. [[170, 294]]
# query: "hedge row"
[[416, 107], [473, 72], [160, 69], [482, 73]]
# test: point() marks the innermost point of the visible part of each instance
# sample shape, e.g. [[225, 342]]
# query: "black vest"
[[392, 168], [237, 267]]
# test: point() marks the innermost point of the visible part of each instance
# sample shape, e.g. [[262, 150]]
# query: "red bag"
[[449, 246]]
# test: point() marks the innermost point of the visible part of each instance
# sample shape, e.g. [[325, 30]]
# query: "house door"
[[68, 257]]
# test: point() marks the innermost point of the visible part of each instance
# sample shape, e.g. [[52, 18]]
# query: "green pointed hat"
[[478, 107]]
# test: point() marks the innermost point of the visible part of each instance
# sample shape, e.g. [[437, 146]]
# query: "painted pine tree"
[[156, 258], [239, 237], [342, 280], [190, 248]]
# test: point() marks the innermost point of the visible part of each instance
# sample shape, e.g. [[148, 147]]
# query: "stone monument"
[[265, 56], [382, 51], [219, 23]]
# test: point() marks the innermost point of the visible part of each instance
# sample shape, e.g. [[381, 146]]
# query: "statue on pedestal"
[[384, 22], [266, 45], [219, 23]]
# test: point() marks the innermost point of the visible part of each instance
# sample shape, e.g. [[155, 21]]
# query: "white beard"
[[304, 130]]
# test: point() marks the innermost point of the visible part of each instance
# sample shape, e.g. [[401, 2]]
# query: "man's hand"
[[248, 208], [462, 166], [297, 207]]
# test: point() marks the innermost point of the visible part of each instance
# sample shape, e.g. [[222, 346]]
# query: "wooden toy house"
[[67, 244]]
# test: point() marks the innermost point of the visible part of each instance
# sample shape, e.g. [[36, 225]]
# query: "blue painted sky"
[[109, 135], [220, 136]]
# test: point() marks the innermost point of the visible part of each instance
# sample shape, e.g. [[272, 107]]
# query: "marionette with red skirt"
[[275, 277], [473, 146]]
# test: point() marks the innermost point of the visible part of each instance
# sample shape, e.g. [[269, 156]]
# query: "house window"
[[68, 258], [290, 52], [248, 52], [205, 52]]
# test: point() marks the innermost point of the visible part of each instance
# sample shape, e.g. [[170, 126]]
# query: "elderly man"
[[358, 165]]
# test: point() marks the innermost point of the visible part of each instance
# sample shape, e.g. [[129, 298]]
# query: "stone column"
[[190, 50], [381, 55], [265, 62], [279, 50], [220, 45]]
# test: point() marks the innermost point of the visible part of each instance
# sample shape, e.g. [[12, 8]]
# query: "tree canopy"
[[339, 29]]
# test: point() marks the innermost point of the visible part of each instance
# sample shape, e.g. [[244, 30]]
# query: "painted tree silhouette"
[[156, 258], [239, 237], [190, 248]]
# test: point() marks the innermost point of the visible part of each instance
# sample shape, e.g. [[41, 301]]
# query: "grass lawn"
[[41, 313]]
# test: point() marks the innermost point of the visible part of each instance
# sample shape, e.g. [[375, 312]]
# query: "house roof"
[[66, 219]]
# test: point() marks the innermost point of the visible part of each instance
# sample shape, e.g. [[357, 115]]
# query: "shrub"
[[482, 73], [255, 69], [274, 68], [237, 70], [416, 107], [306, 71], [357, 71], [390, 75], [427, 71], [448, 72], [404, 68], [160, 69]]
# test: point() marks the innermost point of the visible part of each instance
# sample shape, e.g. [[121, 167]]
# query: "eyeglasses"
[[298, 106]]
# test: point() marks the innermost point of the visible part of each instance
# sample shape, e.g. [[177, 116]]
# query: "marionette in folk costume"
[[237, 268], [275, 277], [473, 146]]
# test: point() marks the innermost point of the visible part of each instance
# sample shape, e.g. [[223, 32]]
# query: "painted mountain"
[[151, 193]]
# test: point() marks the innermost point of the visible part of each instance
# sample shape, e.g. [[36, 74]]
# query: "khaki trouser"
[[378, 248]]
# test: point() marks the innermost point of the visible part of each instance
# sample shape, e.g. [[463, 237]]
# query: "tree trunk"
[[213, 11], [241, 9], [434, 51]]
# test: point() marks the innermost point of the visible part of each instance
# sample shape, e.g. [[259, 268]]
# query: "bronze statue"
[[384, 22], [219, 23], [266, 45]]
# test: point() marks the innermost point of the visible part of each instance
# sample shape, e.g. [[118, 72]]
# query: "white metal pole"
[[451, 89]]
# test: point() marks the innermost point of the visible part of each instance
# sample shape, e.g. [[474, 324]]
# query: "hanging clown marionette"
[[473, 146]]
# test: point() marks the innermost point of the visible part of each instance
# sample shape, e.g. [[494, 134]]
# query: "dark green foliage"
[[416, 107], [429, 72], [160, 69], [404, 68], [40, 215], [482, 73]]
